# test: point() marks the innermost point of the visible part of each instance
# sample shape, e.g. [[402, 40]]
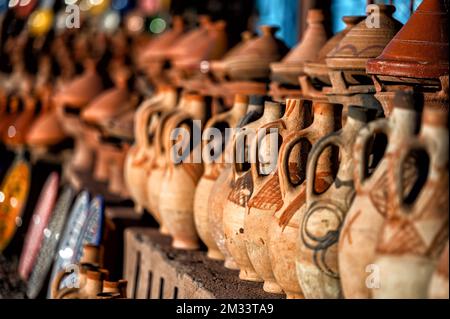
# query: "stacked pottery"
[[438, 288], [223, 185], [347, 62], [141, 153], [286, 72], [183, 171], [416, 228], [362, 225], [283, 227], [213, 168], [317, 264], [266, 198], [417, 57], [236, 207]]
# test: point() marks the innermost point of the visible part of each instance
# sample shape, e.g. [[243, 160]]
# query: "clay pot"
[[176, 201], [288, 70], [115, 288], [347, 62], [90, 290], [236, 207], [416, 228], [253, 63], [139, 157], [283, 226], [223, 185], [438, 288], [317, 264], [212, 171], [266, 197], [362, 225]]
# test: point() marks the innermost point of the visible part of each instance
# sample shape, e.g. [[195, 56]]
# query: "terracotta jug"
[[317, 265], [283, 226], [212, 171], [314, 38], [438, 288], [362, 225], [140, 154], [416, 228], [222, 186], [266, 197], [253, 63], [235, 207], [176, 202]]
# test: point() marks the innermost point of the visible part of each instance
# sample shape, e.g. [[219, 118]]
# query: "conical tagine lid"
[[420, 49], [366, 40]]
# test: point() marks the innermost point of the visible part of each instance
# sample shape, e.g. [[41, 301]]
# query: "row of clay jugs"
[[266, 197], [70, 99], [235, 207], [361, 229], [141, 153], [415, 231], [224, 183], [317, 259], [283, 226], [212, 170], [176, 203], [439, 286]]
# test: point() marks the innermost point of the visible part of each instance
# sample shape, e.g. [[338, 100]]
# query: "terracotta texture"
[[416, 228], [236, 207], [438, 288], [362, 225], [266, 198], [317, 265], [212, 171]]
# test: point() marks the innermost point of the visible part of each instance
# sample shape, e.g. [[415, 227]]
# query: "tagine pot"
[[416, 228]]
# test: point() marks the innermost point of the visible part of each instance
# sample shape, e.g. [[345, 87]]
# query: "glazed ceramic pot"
[[283, 226], [141, 152], [212, 171], [222, 186], [50, 241], [317, 265], [360, 231], [176, 202], [438, 288], [253, 63], [39, 222], [416, 228], [14, 193], [236, 208], [314, 38], [69, 101], [266, 197]]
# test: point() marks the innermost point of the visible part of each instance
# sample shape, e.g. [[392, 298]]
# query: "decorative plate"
[[66, 252], [13, 196], [39, 221], [50, 241]]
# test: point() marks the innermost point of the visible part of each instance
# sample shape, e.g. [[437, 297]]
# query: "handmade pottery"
[[89, 290], [115, 287], [313, 39], [176, 202], [39, 222], [253, 62], [266, 197], [140, 154], [438, 288], [13, 196], [235, 208], [50, 241], [362, 225], [283, 226], [317, 265], [222, 186], [416, 228], [213, 169]]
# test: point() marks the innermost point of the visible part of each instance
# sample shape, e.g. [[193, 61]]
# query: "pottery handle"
[[283, 161], [360, 156], [313, 159], [211, 124], [60, 276]]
